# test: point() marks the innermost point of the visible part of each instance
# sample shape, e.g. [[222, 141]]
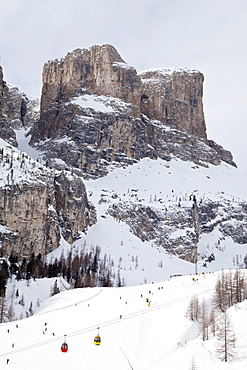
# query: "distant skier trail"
[[104, 324]]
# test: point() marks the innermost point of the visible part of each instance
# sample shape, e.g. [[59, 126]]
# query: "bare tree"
[[204, 320], [193, 364], [220, 298], [212, 323], [239, 282], [230, 289], [225, 338], [193, 310]]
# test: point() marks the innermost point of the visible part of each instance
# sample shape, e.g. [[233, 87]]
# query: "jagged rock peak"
[[17, 110], [94, 51], [99, 69], [155, 113]]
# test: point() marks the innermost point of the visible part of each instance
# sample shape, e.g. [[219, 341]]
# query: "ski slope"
[[154, 337]]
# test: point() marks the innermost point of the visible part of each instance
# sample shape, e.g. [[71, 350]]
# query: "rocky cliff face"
[[99, 69], [96, 111], [7, 132], [177, 224], [16, 110], [174, 96], [38, 206]]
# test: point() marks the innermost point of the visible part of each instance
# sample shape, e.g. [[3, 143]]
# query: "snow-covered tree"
[[11, 312], [22, 300]]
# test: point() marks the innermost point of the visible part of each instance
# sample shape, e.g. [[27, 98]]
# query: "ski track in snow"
[[146, 337]]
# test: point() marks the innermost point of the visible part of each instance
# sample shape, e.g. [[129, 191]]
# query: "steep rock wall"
[[33, 217], [38, 205], [16, 110], [99, 69], [158, 113], [174, 96]]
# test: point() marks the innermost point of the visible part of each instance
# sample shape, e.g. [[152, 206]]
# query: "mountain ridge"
[[98, 117]]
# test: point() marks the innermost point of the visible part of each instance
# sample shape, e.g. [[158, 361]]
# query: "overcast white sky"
[[209, 35]]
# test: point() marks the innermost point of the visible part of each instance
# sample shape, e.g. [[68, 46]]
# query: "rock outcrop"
[[7, 133], [97, 111], [16, 110], [99, 69], [179, 227], [39, 206], [174, 97]]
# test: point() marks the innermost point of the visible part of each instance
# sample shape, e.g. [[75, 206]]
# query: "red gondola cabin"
[[64, 347]]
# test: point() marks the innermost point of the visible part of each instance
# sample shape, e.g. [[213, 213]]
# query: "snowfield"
[[145, 183], [154, 337]]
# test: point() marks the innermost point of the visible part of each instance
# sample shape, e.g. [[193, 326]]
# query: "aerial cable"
[[104, 324]]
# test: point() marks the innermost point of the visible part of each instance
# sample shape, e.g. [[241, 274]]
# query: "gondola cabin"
[[97, 340], [64, 347]]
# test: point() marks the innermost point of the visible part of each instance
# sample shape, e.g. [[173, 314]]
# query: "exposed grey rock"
[[161, 226], [174, 96], [16, 110], [38, 206], [97, 113], [158, 113]]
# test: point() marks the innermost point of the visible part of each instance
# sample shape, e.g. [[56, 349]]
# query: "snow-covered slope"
[[161, 185], [167, 188], [146, 337]]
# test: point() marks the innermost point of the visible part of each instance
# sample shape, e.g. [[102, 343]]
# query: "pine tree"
[[3, 277], [55, 289], [3, 309], [225, 338], [17, 293], [22, 301], [31, 308], [245, 261]]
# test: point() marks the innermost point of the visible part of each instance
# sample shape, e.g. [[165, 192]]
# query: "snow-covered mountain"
[[117, 168], [153, 180], [160, 186]]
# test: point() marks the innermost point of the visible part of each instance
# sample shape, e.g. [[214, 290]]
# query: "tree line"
[[81, 269], [230, 289]]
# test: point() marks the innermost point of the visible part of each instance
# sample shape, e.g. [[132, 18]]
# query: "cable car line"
[[104, 324]]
